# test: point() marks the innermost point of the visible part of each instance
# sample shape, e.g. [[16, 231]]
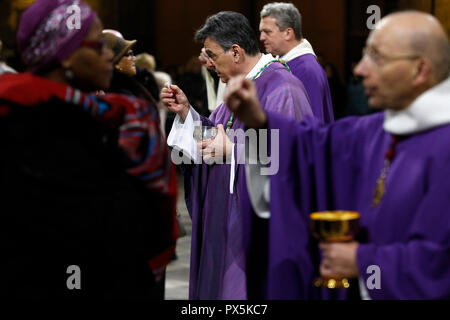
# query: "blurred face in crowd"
[[127, 64], [91, 63], [388, 68], [224, 63], [272, 37]]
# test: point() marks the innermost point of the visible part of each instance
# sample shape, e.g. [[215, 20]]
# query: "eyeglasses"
[[214, 56], [130, 53], [380, 59], [97, 45]]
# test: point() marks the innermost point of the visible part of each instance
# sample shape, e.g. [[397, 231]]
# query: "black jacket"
[[67, 200], [130, 86]]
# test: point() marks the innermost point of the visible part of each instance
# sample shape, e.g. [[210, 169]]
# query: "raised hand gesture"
[[241, 98], [175, 100]]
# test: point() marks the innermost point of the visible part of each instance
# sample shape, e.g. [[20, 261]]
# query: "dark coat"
[[67, 200]]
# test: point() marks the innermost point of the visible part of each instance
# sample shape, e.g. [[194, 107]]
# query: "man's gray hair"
[[286, 16], [228, 28]]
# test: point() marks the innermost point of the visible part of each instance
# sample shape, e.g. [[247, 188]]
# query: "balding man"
[[392, 167], [281, 32]]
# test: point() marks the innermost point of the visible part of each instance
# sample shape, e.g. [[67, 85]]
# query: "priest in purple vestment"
[[213, 189], [392, 167], [281, 32]]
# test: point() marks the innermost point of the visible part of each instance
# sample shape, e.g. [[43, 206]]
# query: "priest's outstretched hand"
[[218, 149], [175, 100], [242, 100], [339, 259]]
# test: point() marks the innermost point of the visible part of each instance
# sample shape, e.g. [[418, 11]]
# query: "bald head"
[[420, 34]]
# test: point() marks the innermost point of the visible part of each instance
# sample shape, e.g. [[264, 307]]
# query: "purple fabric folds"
[[336, 167], [219, 230], [313, 77]]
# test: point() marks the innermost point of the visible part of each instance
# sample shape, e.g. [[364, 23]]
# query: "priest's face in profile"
[[223, 61], [272, 36], [387, 68]]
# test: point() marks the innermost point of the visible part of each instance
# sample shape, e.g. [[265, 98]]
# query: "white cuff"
[[258, 187], [232, 170], [362, 290], [181, 135]]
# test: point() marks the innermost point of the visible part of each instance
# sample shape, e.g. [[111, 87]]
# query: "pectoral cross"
[[379, 190], [378, 193]]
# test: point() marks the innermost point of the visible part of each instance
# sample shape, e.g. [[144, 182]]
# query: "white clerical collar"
[[431, 109], [304, 47], [266, 58]]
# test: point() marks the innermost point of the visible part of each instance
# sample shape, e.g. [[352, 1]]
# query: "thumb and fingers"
[[167, 94], [220, 129], [174, 98], [239, 91], [204, 143]]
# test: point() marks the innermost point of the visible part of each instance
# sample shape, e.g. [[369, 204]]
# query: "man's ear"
[[422, 72], [289, 34], [237, 52]]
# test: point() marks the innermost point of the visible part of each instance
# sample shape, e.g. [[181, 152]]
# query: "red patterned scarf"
[[138, 124]]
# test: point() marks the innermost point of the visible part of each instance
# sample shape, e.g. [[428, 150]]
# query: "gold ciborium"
[[334, 226]]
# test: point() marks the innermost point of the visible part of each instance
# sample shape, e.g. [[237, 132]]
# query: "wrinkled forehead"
[[269, 22], [212, 47], [389, 37], [210, 43]]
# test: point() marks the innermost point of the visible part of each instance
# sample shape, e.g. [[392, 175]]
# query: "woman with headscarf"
[[88, 191]]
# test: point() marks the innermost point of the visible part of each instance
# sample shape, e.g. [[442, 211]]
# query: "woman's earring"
[[69, 74]]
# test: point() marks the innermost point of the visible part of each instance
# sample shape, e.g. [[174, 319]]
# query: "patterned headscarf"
[[44, 36]]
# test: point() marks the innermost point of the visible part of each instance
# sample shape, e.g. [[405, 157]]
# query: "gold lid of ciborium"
[[335, 226]]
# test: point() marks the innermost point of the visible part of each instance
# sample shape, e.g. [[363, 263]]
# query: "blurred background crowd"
[[165, 47]]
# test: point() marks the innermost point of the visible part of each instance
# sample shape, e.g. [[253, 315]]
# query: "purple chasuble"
[[313, 77], [336, 167], [217, 269]]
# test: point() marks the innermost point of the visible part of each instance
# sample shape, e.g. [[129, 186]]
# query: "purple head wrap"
[[46, 36]]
